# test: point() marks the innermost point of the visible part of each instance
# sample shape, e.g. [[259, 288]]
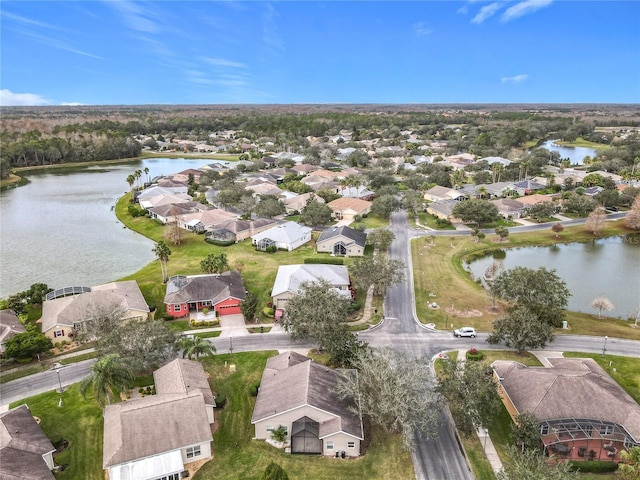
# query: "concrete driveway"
[[233, 326]]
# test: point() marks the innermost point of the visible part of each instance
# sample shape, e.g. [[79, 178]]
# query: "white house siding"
[[286, 419], [205, 452]]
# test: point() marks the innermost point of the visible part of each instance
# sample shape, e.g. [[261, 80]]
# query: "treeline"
[[35, 149]]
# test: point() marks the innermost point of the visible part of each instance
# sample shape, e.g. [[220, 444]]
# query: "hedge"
[[593, 466], [325, 260]]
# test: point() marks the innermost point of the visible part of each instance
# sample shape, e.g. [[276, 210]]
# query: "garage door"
[[230, 310]]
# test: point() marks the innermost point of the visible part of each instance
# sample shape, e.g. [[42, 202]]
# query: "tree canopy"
[[377, 271], [477, 211], [540, 291], [109, 376], [316, 213], [27, 344], [522, 329]]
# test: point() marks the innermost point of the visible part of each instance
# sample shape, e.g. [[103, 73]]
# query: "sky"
[[282, 52]]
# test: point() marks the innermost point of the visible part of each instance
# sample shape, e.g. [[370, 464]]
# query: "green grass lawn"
[[80, 422], [237, 456], [431, 221]]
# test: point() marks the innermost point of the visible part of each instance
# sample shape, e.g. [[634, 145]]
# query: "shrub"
[[279, 434], [475, 355], [269, 312], [253, 389], [221, 400], [271, 249], [593, 466], [325, 260]]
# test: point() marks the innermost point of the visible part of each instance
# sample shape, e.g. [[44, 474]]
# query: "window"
[[193, 451], [351, 444], [544, 429], [58, 333], [329, 445], [177, 308], [173, 476], [628, 443], [270, 428]]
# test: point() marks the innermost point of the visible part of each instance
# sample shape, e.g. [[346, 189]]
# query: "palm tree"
[[162, 252], [137, 174], [131, 180], [146, 171], [195, 346], [108, 376]]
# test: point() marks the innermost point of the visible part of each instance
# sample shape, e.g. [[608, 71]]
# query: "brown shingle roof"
[[22, 445], [572, 388], [355, 204], [291, 380], [183, 376], [205, 287], [152, 425]]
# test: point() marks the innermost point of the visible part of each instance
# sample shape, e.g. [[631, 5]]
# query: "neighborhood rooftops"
[[291, 277], [214, 287]]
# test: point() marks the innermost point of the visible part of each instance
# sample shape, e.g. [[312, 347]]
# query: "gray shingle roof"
[[360, 238], [22, 445], [214, 287], [291, 277], [573, 388], [291, 380], [183, 376]]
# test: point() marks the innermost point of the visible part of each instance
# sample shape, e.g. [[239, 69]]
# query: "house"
[[158, 200], [264, 189], [444, 210], [25, 451], [10, 325], [238, 230], [500, 160], [290, 278], [579, 406], [171, 212], [286, 236], [349, 208], [298, 202], [438, 193], [220, 292], [317, 182], [342, 241], [65, 310], [498, 189], [526, 187], [304, 168], [530, 200], [509, 208], [155, 436], [206, 220], [299, 395]]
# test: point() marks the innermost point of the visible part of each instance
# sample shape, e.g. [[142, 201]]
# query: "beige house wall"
[[341, 444], [352, 250], [130, 315], [281, 300]]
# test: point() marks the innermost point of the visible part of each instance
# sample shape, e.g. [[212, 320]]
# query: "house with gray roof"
[[286, 236], [25, 451], [579, 406], [290, 279], [342, 241], [299, 395], [64, 316], [222, 292], [9, 326], [438, 193], [238, 230], [156, 436], [444, 210]]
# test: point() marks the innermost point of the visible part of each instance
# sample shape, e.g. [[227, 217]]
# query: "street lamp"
[[60, 385], [604, 347]]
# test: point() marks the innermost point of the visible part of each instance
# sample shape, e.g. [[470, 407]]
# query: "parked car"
[[464, 332]]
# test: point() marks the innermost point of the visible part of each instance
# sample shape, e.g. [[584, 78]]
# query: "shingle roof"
[[291, 380], [291, 277], [152, 425], [183, 376], [22, 445], [572, 388], [355, 204], [287, 232], [214, 287], [360, 238], [67, 310], [9, 325]]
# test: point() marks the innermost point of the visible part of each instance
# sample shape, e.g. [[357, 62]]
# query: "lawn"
[[431, 221], [440, 276], [78, 421], [237, 456]]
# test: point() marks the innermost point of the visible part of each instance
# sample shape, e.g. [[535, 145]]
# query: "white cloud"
[[223, 62], [421, 29], [524, 8], [11, 99], [486, 12], [136, 16], [515, 79]]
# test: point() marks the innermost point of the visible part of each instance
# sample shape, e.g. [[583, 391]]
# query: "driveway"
[[233, 326]]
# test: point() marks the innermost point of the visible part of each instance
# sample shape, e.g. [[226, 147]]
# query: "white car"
[[465, 332]]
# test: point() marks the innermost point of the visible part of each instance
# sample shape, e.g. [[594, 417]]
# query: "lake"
[[60, 229], [574, 154], [607, 267]]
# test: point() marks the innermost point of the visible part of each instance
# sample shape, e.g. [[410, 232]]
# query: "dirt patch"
[[464, 313]]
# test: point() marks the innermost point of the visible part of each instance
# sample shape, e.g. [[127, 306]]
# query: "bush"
[[325, 260], [593, 466], [221, 400], [271, 249], [253, 389], [279, 434], [269, 312], [475, 355]]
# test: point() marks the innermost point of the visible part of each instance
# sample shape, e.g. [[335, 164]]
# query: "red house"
[[220, 292]]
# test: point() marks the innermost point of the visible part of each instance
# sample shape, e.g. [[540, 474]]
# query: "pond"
[[574, 154], [60, 228], [607, 267]]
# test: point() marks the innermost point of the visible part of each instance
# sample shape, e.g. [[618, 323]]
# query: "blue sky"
[[203, 52]]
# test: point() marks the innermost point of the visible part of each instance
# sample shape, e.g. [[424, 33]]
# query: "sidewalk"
[[483, 434]]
